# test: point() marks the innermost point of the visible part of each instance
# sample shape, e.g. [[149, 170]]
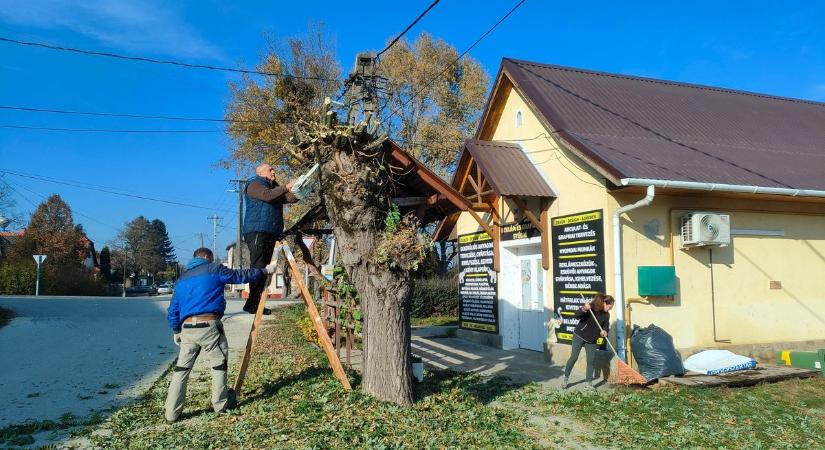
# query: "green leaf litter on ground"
[[292, 400]]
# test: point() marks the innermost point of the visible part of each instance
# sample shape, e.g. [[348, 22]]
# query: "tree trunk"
[[357, 211], [385, 303]]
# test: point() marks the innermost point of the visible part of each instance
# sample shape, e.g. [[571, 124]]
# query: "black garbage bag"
[[654, 353]]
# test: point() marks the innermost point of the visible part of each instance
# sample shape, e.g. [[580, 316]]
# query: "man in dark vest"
[[263, 224]]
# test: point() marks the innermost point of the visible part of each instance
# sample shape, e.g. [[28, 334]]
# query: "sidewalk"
[[439, 351]]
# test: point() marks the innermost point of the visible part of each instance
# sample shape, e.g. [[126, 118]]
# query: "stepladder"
[[312, 311]]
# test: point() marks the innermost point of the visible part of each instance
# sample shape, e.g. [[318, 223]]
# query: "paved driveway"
[[78, 355]]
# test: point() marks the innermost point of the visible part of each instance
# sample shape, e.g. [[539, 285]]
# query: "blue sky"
[[766, 47]]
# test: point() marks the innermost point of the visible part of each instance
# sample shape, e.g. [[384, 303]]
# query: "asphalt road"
[[79, 355]]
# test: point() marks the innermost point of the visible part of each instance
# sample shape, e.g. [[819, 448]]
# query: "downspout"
[[618, 264]]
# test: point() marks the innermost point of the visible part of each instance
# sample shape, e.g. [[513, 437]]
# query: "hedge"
[[435, 297]]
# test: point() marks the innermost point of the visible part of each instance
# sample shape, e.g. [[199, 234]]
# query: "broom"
[[624, 373]]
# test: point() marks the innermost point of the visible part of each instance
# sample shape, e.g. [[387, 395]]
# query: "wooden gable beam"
[[530, 216]]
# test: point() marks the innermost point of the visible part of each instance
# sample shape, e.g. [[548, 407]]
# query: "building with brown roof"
[[702, 208]]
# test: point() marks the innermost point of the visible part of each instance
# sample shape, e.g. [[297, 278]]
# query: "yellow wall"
[[747, 311]]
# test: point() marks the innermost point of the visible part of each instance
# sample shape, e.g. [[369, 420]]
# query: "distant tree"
[[8, 207], [146, 245], [164, 244], [105, 261], [52, 232]]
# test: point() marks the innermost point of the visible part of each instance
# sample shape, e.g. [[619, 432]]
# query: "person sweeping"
[[587, 332]]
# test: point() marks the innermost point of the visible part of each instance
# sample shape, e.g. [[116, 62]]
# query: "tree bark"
[[357, 211]]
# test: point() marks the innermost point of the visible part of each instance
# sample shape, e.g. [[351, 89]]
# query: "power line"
[[122, 194], [160, 61], [447, 67], [106, 130], [412, 24], [126, 115]]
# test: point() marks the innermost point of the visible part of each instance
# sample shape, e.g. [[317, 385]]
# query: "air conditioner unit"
[[701, 229]]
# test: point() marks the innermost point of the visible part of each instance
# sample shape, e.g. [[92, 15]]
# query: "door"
[[532, 330]]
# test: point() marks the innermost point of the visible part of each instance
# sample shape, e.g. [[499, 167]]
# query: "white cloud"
[[137, 26]]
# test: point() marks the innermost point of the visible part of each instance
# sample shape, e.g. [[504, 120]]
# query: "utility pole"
[[214, 218], [200, 235], [238, 237]]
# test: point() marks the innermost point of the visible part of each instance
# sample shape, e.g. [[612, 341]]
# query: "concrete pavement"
[[79, 355]]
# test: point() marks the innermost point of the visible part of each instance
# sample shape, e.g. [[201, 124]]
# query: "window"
[[519, 119]]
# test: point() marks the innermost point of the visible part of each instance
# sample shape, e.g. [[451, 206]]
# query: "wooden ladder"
[[323, 336]]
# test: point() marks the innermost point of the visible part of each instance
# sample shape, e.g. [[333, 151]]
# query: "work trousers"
[[206, 336], [590, 352], [260, 247]]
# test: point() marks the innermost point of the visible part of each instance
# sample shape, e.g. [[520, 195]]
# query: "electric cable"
[[126, 115], [98, 189], [412, 24], [160, 61], [447, 67]]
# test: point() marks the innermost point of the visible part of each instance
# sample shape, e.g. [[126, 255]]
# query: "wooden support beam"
[[496, 235], [545, 235], [480, 207], [530, 216], [409, 201], [481, 222], [306, 256]]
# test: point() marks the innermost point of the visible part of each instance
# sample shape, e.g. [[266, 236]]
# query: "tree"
[[164, 244], [148, 245], [431, 116], [379, 248], [52, 232], [105, 261]]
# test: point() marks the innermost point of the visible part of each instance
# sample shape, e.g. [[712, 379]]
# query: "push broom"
[[624, 373]]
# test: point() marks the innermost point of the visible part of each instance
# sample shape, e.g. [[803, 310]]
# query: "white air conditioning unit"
[[701, 229]]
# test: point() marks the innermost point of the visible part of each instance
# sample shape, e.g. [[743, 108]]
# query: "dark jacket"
[[587, 328], [265, 206], [200, 290]]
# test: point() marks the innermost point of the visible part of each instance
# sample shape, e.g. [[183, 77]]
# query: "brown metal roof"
[[507, 169], [631, 127]]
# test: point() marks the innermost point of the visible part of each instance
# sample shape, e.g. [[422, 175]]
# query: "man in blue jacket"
[[195, 318]]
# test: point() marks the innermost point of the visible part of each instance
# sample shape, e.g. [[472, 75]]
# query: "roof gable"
[[631, 127]]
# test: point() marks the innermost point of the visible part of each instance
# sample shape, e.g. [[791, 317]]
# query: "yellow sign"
[[478, 326], [477, 237], [586, 217]]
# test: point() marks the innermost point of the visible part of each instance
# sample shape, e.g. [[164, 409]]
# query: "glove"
[[270, 269], [176, 338]]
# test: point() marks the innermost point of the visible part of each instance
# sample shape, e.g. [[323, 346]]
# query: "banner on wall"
[[477, 283], [518, 230], [578, 265]]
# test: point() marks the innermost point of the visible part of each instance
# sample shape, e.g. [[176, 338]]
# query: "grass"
[[789, 414], [434, 321], [291, 400], [5, 316]]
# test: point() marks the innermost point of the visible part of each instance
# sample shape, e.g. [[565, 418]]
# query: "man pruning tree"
[[195, 318], [263, 224]]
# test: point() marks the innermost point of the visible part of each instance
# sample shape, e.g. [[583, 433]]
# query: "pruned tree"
[[278, 121]]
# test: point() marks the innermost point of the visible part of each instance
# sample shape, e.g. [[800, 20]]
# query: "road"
[[79, 355]]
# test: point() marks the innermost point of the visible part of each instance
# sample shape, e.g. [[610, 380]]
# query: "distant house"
[[702, 207], [89, 255], [7, 240], [276, 288]]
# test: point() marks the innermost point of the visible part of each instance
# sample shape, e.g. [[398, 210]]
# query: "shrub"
[[17, 278], [435, 297]]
